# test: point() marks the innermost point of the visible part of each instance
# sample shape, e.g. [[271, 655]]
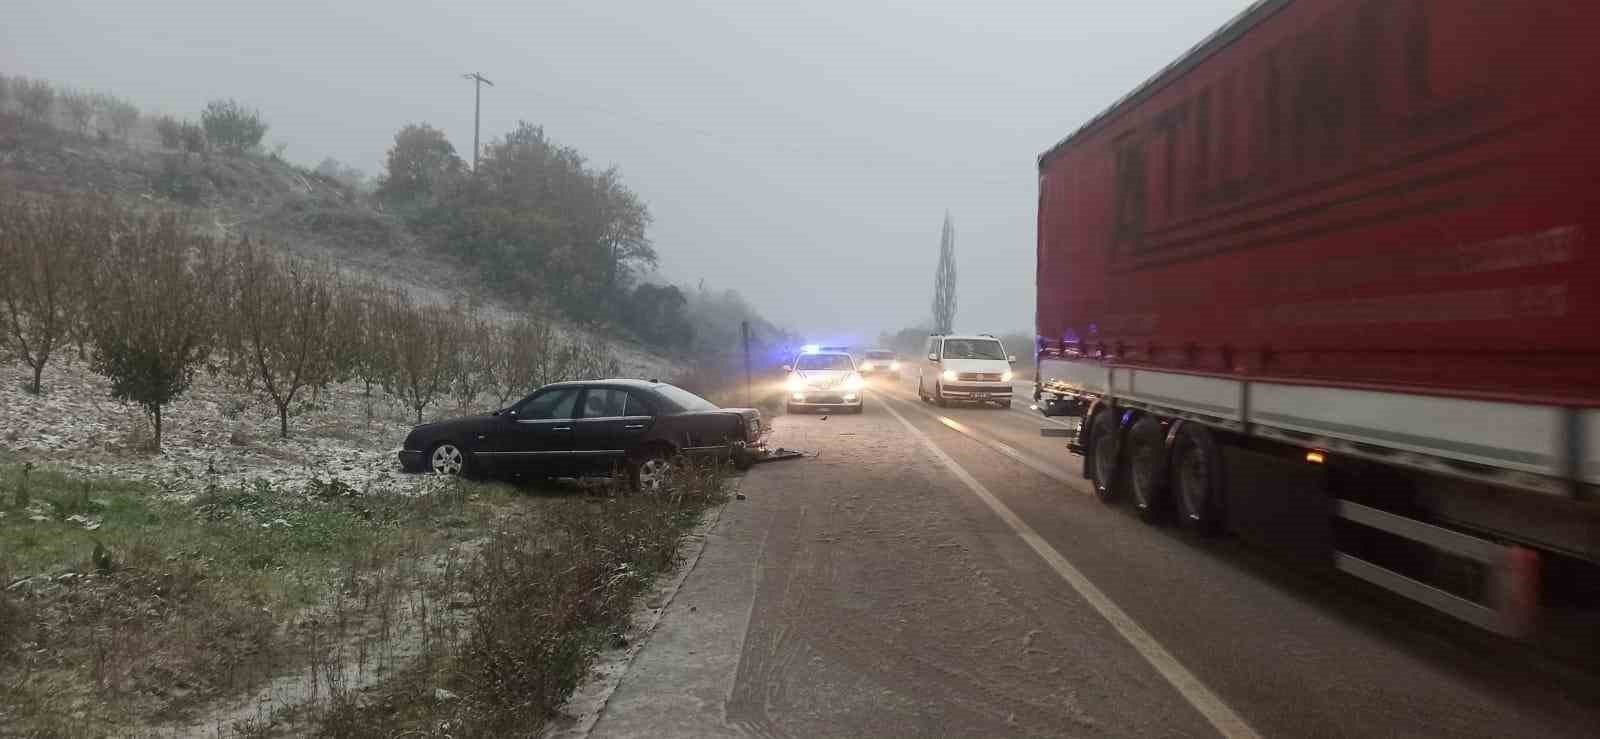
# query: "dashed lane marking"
[[1210, 705]]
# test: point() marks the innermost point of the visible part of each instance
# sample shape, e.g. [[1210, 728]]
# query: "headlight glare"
[[795, 383], [1007, 375], [853, 382], [949, 375]]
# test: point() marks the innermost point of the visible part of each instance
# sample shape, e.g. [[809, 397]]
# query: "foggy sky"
[[803, 153]]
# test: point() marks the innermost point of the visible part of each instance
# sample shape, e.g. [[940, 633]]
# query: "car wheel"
[[938, 397], [922, 395], [448, 459], [1147, 467], [1197, 480], [653, 473], [1106, 453]]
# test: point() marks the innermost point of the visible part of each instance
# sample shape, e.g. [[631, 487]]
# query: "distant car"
[[571, 429], [823, 381], [879, 362], [966, 369]]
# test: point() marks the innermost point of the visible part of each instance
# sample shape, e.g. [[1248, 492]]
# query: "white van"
[[965, 369]]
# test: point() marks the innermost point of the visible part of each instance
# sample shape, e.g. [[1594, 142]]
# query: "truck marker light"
[[1316, 457]]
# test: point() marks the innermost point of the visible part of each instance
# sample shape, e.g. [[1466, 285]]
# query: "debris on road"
[[773, 455]]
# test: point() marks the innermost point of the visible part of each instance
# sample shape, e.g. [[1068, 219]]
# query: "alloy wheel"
[[447, 459]]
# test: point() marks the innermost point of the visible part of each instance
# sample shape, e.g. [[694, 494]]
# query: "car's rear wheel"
[[448, 459], [653, 472]]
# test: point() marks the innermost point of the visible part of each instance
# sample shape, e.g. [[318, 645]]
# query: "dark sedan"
[[596, 427]]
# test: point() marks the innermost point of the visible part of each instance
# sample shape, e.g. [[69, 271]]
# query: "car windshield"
[[973, 349], [840, 362], [684, 400]]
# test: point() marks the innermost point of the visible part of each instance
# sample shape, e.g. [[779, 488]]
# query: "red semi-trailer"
[[1329, 280]]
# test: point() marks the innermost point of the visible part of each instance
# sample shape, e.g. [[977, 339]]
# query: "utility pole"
[[477, 108]]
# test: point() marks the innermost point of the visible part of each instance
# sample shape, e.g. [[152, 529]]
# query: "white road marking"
[[1223, 718]]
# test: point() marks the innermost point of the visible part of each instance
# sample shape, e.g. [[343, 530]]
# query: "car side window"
[[637, 407], [558, 403], [604, 402]]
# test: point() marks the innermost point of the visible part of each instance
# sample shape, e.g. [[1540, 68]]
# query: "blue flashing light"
[[810, 349]]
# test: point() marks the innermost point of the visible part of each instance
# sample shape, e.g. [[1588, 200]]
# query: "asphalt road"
[[947, 572]]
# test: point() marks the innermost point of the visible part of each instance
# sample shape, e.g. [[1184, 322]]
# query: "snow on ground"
[[214, 434]]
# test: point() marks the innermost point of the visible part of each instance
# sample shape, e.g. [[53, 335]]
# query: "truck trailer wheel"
[[1147, 468], [1105, 453], [1197, 479]]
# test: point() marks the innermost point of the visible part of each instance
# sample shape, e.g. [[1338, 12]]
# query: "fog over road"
[[947, 572]]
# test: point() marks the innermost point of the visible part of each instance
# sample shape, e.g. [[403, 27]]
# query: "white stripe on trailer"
[[1209, 396], [1589, 448], [1502, 435]]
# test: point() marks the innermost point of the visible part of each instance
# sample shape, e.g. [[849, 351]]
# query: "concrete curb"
[[583, 708]]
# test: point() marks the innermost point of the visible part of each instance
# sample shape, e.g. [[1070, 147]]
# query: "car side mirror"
[[787, 368], [1011, 358], [933, 357]]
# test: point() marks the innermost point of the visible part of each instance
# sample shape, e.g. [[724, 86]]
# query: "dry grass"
[[548, 591]]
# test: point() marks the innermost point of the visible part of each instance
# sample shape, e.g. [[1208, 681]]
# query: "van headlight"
[[1007, 375], [949, 375]]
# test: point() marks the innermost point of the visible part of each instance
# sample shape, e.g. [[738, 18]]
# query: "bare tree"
[[944, 281], [79, 107], [36, 97], [39, 268], [472, 371], [515, 366], [362, 349], [423, 345], [156, 326], [284, 309]]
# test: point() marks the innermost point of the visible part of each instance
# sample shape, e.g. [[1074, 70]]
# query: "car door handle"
[[633, 426], [562, 428]]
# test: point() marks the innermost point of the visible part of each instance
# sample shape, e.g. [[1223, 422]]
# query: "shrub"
[[177, 182], [192, 138], [170, 131], [420, 161], [231, 126], [116, 116], [5, 92], [36, 97]]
